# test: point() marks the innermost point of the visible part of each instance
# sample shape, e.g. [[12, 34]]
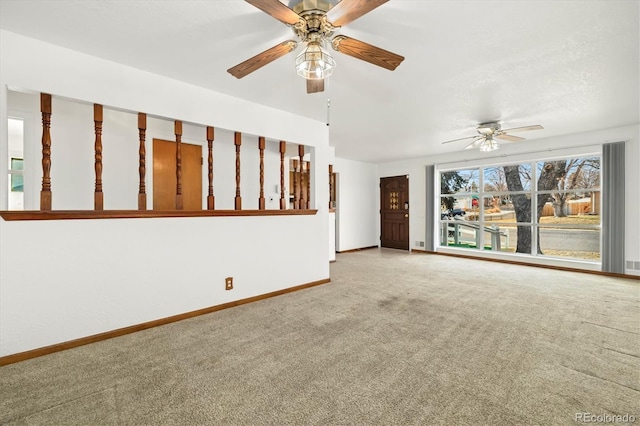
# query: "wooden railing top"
[[140, 214]]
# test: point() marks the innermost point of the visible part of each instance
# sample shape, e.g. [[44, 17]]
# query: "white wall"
[[62, 280], [332, 215], [357, 196], [632, 197], [557, 146], [332, 236]]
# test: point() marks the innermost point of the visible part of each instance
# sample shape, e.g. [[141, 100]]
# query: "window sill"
[[551, 261]]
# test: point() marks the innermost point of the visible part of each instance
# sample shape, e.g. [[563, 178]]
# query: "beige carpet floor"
[[394, 339]]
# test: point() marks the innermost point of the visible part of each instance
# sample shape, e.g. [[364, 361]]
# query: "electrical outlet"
[[228, 283]]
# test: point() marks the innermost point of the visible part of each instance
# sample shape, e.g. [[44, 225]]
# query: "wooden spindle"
[[301, 202], [308, 199], [238, 142], [295, 184], [98, 196], [45, 193], [142, 155], [330, 186], [211, 201], [283, 150], [178, 132], [261, 200]]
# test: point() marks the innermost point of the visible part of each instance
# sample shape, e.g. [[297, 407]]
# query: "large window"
[[538, 208]]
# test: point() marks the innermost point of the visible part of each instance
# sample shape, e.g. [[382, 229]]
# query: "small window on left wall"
[[16, 164]]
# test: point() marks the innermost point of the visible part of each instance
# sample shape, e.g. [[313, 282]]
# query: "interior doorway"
[[164, 175], [394, 212], [15, 191]]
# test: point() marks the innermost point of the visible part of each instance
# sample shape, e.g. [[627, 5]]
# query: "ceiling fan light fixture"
[[314, 62], [488, 145]]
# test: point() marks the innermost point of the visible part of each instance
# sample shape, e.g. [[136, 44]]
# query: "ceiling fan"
[[485, 140], [314, 22]]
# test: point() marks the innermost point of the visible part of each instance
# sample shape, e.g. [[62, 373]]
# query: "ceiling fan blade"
[[262, 59], [277, 10], [510, 138], [315, 85], [461, 139], [349, 10], [475, 143], [366, 52], [522, 129]]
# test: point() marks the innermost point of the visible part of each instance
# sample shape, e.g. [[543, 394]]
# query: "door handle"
[[406, 215]]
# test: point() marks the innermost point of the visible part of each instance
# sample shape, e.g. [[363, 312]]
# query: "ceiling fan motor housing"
[[488, 128], [313, 26]]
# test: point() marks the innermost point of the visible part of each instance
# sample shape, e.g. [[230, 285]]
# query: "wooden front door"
[[164, 175], [394, 212]]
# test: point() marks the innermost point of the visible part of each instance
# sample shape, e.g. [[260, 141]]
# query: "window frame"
[[483, 193]]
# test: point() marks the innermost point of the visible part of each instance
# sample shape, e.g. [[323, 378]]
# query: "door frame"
[[408, 209]]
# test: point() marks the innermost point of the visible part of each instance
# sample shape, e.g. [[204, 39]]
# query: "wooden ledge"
[[141, 214]]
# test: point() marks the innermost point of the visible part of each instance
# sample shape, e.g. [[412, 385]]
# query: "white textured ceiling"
[[571, 66]]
